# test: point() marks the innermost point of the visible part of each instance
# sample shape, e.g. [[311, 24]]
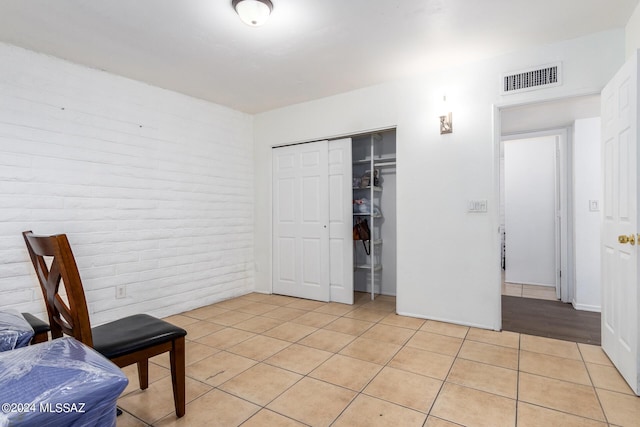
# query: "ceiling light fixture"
[[253, 12]]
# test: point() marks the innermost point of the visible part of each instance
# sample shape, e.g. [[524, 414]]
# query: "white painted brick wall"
[[153, 188]]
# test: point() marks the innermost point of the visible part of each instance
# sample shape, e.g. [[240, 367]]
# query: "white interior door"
[[300, 221], [340, 221], [620, 218], [531, 220]]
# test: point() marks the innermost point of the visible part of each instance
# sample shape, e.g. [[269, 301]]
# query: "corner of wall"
[[632, 33]]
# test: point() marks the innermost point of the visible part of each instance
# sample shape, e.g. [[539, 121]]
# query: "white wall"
[[153, 188], [448, 259], [632, 32], [587, 186]]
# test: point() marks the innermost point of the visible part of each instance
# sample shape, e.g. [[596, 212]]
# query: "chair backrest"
[[70, 318]]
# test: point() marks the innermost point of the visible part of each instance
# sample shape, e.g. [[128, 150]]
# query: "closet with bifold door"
[[317, 188]]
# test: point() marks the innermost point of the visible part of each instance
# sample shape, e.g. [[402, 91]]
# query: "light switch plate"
[[594, 205], [477, 206]]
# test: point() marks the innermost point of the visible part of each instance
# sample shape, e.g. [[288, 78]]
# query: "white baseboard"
[[445, 320], [586, 307]]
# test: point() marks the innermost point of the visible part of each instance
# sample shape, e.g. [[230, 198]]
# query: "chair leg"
[[143, 373], [176, 357]]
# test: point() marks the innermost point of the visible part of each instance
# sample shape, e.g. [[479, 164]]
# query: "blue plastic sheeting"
[[58, 383], [15, 331]]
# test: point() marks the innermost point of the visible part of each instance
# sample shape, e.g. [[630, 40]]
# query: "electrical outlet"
[[121, 291]]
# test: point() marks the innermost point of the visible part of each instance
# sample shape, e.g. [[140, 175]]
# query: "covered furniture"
[[58, 383], [126, 341], [15, 331]]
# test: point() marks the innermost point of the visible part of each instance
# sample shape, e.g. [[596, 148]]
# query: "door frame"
[[563, 221], [496, 118]]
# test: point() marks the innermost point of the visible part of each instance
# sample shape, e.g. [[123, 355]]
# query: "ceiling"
[[548, 115], [308, 49]]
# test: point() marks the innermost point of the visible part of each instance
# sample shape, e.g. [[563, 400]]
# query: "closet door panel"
[[287, 251], [300, 221], [311, 270], [340, 221]]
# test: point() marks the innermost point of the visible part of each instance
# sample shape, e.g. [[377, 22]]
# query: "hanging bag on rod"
[[362, 232]]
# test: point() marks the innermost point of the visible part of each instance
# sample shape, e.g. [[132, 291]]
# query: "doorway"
[[534, 211], [549, 118]]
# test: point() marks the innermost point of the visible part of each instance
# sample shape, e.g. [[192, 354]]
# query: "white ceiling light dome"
[[253, 12]]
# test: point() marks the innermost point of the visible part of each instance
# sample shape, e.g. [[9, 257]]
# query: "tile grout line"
[[375, 376], [565, 381], [444, 381], [361, 391], [300, 379], [595, 390], [358, 393], [375, 323], [257, 363]]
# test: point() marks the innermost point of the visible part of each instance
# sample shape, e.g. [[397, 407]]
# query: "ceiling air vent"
[[535, 78]]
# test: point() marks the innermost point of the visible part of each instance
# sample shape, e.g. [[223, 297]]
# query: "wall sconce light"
[[446, 124], [253, 12]]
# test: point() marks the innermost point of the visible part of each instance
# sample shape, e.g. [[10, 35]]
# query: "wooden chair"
[[40, 329], [126, 341]]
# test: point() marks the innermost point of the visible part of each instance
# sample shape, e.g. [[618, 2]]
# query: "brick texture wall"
[[154, 189]]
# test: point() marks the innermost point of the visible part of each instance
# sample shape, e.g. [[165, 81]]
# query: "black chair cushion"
[[39, 327], [133, 333]]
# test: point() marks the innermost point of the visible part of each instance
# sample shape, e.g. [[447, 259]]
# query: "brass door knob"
[[631, 239]]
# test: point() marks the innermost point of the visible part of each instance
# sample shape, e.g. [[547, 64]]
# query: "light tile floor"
[[268, 360], [529, 291]]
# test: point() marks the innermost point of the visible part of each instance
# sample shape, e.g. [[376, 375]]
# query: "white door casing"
[[300, 221], [340, 222], [619, 315]]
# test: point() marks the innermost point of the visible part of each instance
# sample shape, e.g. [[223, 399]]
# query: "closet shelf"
[[362, 162], [377, 242], [368, 188], [385, 164], [368, 267], [367, 214], [378, 161]]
